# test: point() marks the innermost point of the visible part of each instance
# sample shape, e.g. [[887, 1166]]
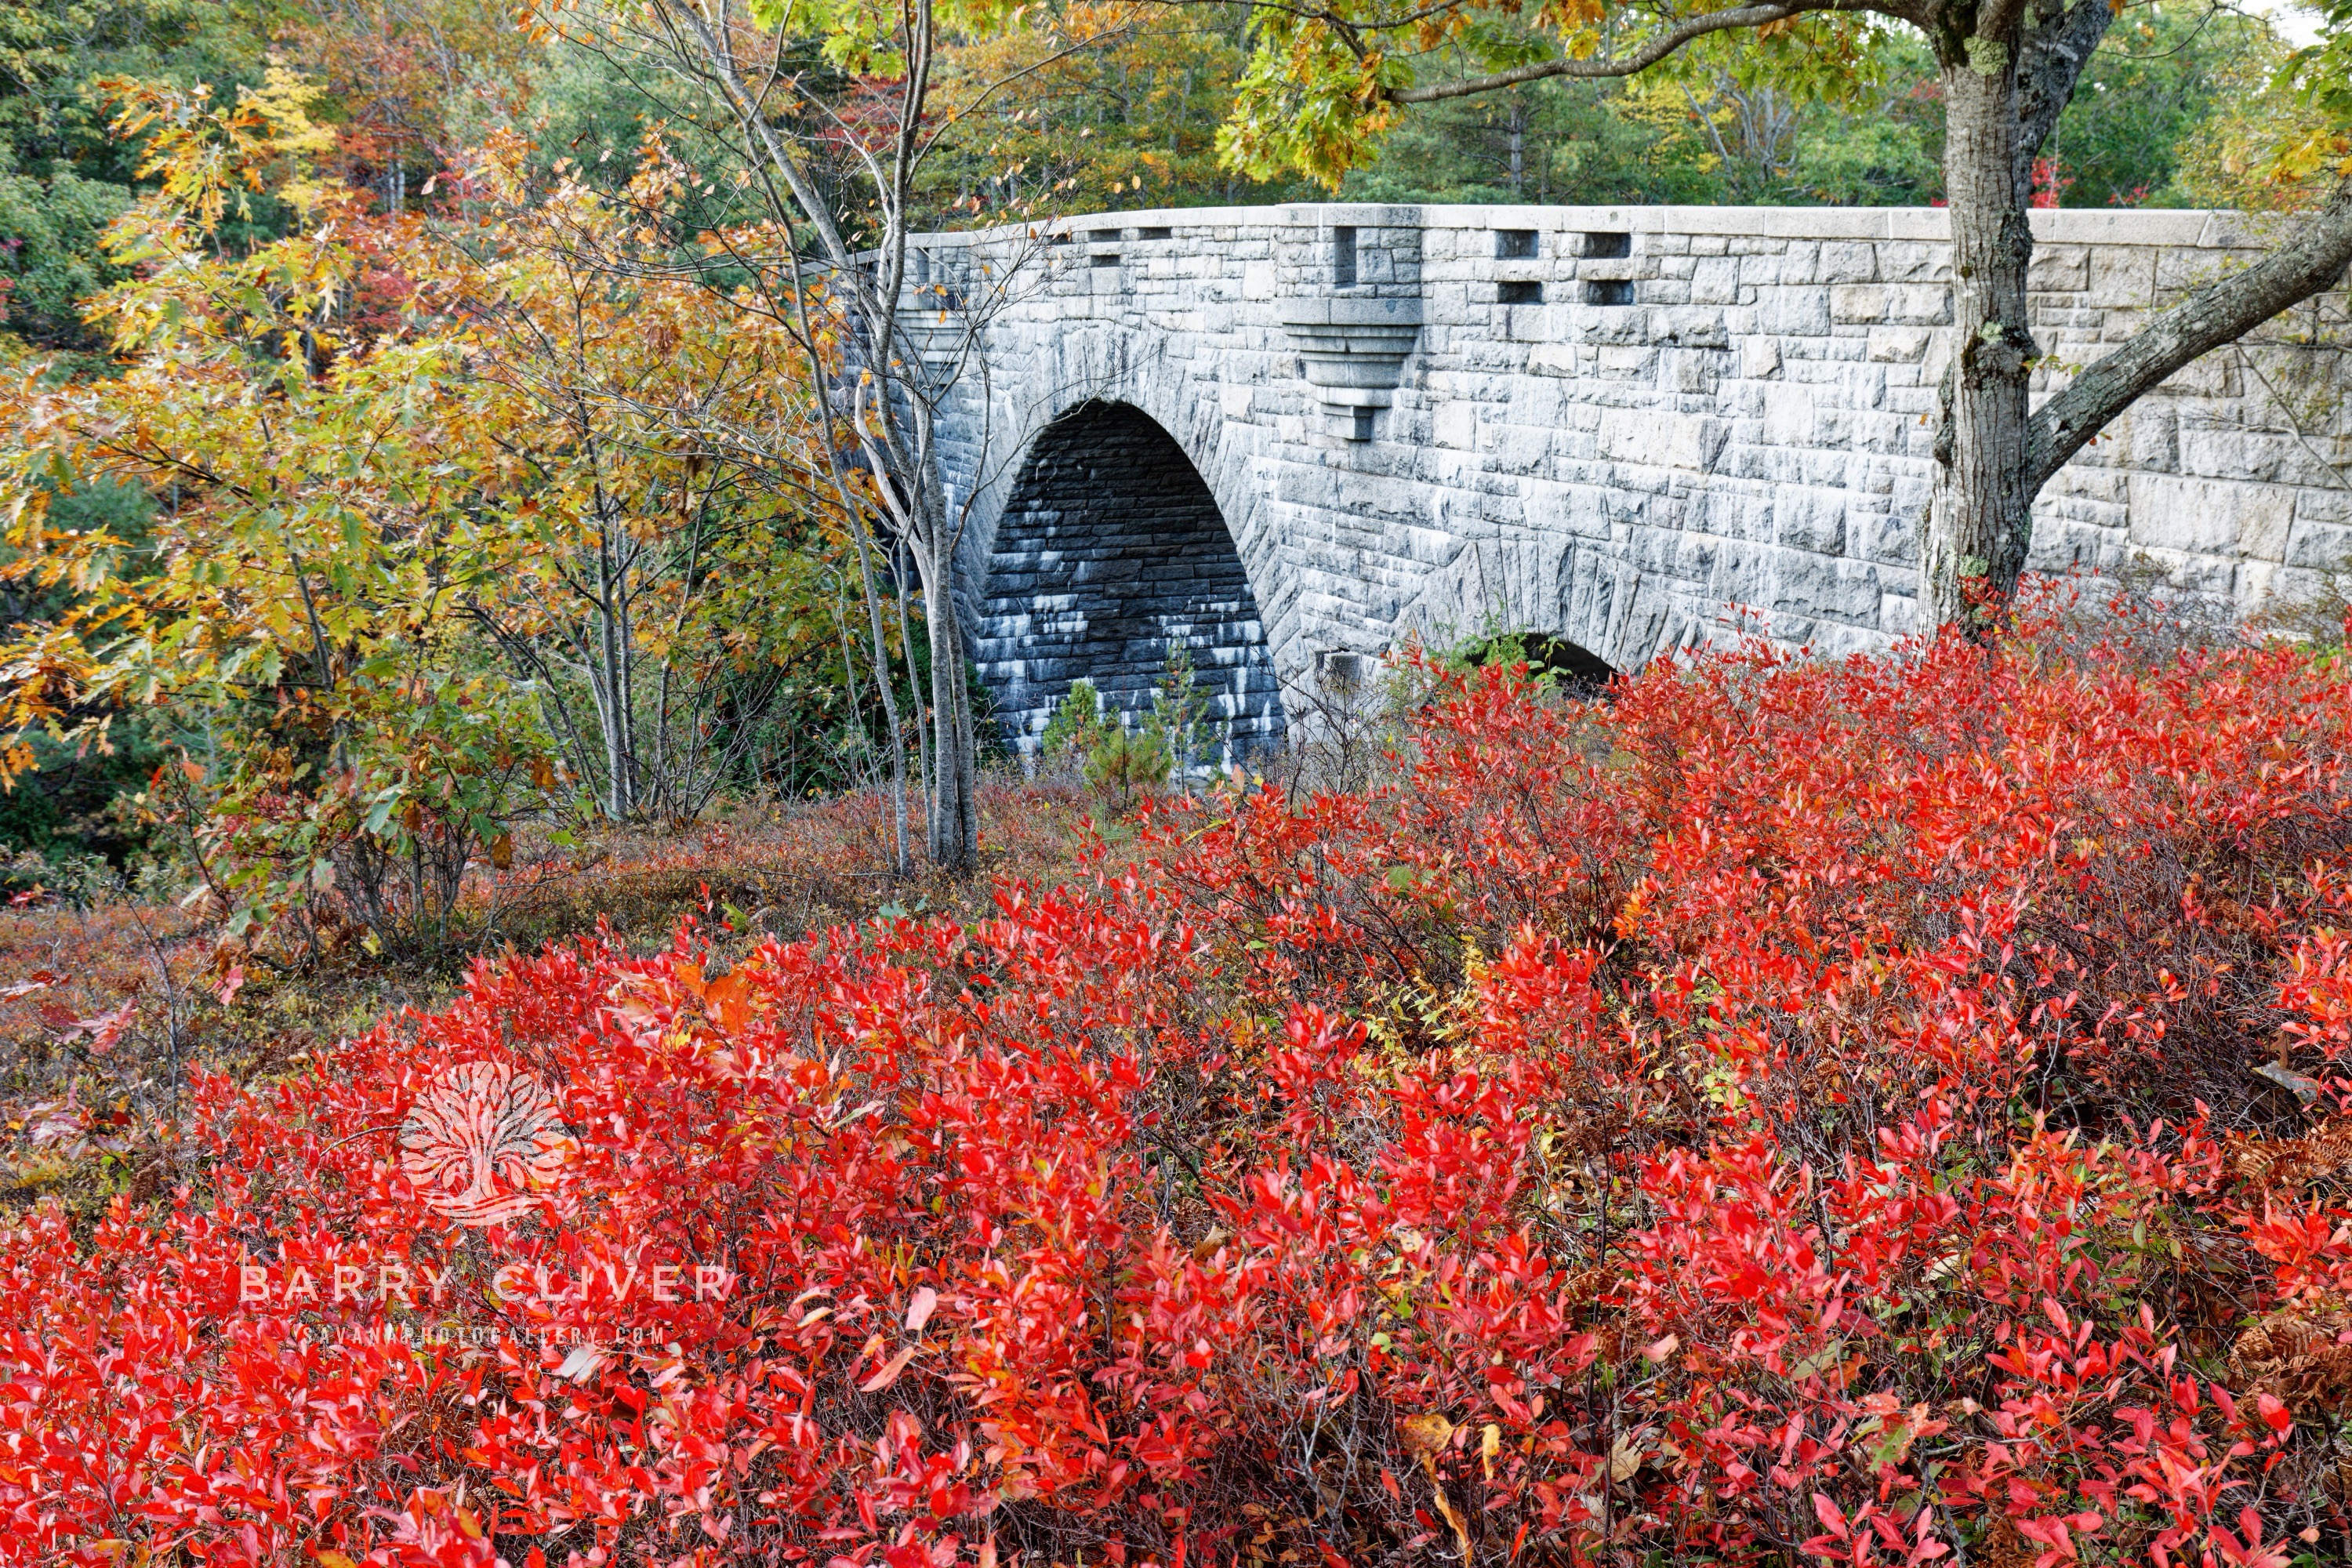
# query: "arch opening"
[[1574, 669], [1110, 551]]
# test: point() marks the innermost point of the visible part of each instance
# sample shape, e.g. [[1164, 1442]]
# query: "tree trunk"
[[609, 676], [914, 691], [902, 861], [1518, 126], [955, 799], [1978, 523]]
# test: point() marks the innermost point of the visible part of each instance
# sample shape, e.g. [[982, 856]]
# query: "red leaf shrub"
[[1864, 1112]]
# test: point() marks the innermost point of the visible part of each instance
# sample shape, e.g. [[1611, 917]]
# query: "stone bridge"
[[1291, 436]]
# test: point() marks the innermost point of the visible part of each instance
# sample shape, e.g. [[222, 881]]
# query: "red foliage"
[[1785, 1110], [2049, 185]]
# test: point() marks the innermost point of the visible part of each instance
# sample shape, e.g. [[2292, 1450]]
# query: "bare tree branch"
[[2219, 312]]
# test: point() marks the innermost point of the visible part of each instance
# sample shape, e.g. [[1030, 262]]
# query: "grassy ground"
[[105, 1007]]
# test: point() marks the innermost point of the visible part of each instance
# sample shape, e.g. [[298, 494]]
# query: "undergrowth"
[[1890, 1112]]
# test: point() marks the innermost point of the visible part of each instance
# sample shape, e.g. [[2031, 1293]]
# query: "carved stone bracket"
[[937, 338], [1354, 352]]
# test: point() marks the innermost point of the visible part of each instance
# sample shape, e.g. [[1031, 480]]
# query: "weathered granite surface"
[[1606, 423]]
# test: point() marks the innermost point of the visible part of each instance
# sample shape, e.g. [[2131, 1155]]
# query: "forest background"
[[2162, 119]]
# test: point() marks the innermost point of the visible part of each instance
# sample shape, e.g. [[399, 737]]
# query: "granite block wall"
[[1623, 426]]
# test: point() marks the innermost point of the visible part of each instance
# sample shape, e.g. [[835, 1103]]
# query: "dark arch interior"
[[1109, 549], [1572, 668]]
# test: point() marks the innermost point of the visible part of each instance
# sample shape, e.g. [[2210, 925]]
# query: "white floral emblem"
[[484, 1143]]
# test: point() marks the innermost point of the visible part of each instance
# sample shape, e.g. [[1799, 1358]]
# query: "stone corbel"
[[936, 337], [1354, 352]]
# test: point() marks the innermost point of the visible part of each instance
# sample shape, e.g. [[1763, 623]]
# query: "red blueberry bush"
[[1884, 1112]]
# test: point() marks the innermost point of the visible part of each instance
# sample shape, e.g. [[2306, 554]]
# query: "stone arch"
[[1595, 611], [1571, 666], [1109, 548]]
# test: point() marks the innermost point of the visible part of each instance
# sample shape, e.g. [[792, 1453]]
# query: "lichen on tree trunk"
[[1978, 522]]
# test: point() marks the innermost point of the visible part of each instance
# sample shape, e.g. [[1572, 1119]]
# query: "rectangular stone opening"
[[1339, 671], [1343, 258], [1606, 247], [1105, 260], [1515, 244], [1613, 292], [1155, 233], [1102, 236], [1519, 292]]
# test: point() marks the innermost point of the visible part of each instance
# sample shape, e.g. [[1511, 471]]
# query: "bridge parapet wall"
[[1610, 423]]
